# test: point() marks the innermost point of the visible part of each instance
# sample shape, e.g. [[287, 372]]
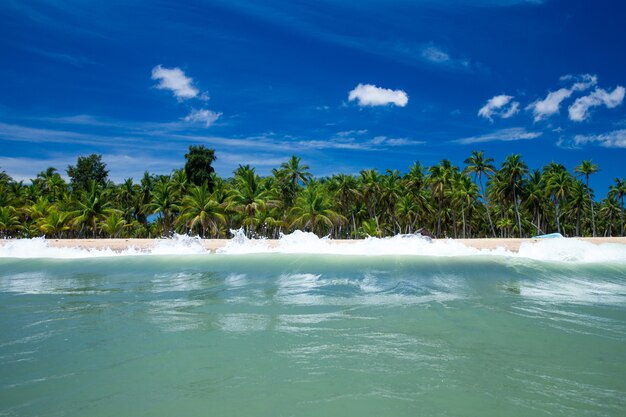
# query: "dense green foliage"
[[477, 200], [198, 167], [87, 169]]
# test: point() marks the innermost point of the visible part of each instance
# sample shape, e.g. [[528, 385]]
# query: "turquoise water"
[[311, 335]]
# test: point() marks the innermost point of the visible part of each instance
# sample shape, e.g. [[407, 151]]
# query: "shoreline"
[[211, 245]]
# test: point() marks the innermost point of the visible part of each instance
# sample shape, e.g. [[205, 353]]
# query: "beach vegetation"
[[473, 201]]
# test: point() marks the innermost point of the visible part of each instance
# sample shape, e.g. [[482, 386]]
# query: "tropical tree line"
[[475, 200]]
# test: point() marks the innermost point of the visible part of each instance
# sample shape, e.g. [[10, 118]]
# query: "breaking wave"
[[558, 250]]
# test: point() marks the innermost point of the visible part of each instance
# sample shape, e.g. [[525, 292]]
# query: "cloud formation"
[[175, 80], [503, 135], [501, 106], [614, 139], [371, 95], [579, 111], [435, 54], [205, 116], [542, 109]]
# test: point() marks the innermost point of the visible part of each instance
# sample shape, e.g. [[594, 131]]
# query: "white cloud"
[[175, 80], [435, 54], [347, 142], [614, 139], [542, 109], [579, 111], [501, 106], [207, 117], [370, 95], [346, 133], [503, 135]]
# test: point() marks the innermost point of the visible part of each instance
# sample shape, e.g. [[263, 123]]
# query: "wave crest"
[[298, 242]]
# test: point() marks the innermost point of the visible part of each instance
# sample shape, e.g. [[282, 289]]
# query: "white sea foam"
[[560, 250]]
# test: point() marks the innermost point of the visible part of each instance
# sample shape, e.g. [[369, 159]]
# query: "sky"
[[345, 85]]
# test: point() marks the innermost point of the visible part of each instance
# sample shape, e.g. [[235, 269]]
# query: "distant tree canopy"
[[443, 200], [87, 169], [198, 166]]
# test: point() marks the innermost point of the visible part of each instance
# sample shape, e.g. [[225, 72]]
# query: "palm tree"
[[558, 185], [369, 228], [609, 210], [534, 197], [295, 173], [201, 211], [587, 168], [93, 207], [164, 202], [249, 196], [618, 191], [113, 224], [55, 223], [390, 192], [439, 177], [125, 197], [466, 192], [9, 221], [313, 210], [370, 184], [478, 165], [514, 170], [345, 190], [578, 196], [38, 210]]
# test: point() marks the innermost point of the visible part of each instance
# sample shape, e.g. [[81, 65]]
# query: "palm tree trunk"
[[622, 217], [593, 221], [484, 197], [439, 219], [519, 221], [556, 216], [463, 216], [353, 225]]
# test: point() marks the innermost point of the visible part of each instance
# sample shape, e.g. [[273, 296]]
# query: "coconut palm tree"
[[164, 202], [609, 211], [92, 208], [618, 191], [313, 210], [578, 200], [466, 192], [55, 223], [295, 173], [514, 170], [345, 189], [534, 198], [370, 186], [587, 168], [478, 165], [249, 195], [390, 192], [200, 211], [558, 186], [439, 176], [369, 228], [9, 221], [113, 224]]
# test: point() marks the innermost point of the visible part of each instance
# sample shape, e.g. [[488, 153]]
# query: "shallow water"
[[276, 334]]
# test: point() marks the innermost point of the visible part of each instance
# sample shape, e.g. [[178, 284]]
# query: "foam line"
[[560, 250]]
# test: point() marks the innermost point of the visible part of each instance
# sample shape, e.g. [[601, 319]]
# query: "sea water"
[[384, 327]]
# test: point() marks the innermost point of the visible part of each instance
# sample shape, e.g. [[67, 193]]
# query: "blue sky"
[[344, 85]]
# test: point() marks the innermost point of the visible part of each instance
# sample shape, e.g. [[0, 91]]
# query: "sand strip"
[[212, 245]]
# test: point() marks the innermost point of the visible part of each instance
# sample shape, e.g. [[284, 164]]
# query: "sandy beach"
[[212, 245]]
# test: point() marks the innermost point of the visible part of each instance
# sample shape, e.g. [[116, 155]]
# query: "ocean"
[[386, 327]]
